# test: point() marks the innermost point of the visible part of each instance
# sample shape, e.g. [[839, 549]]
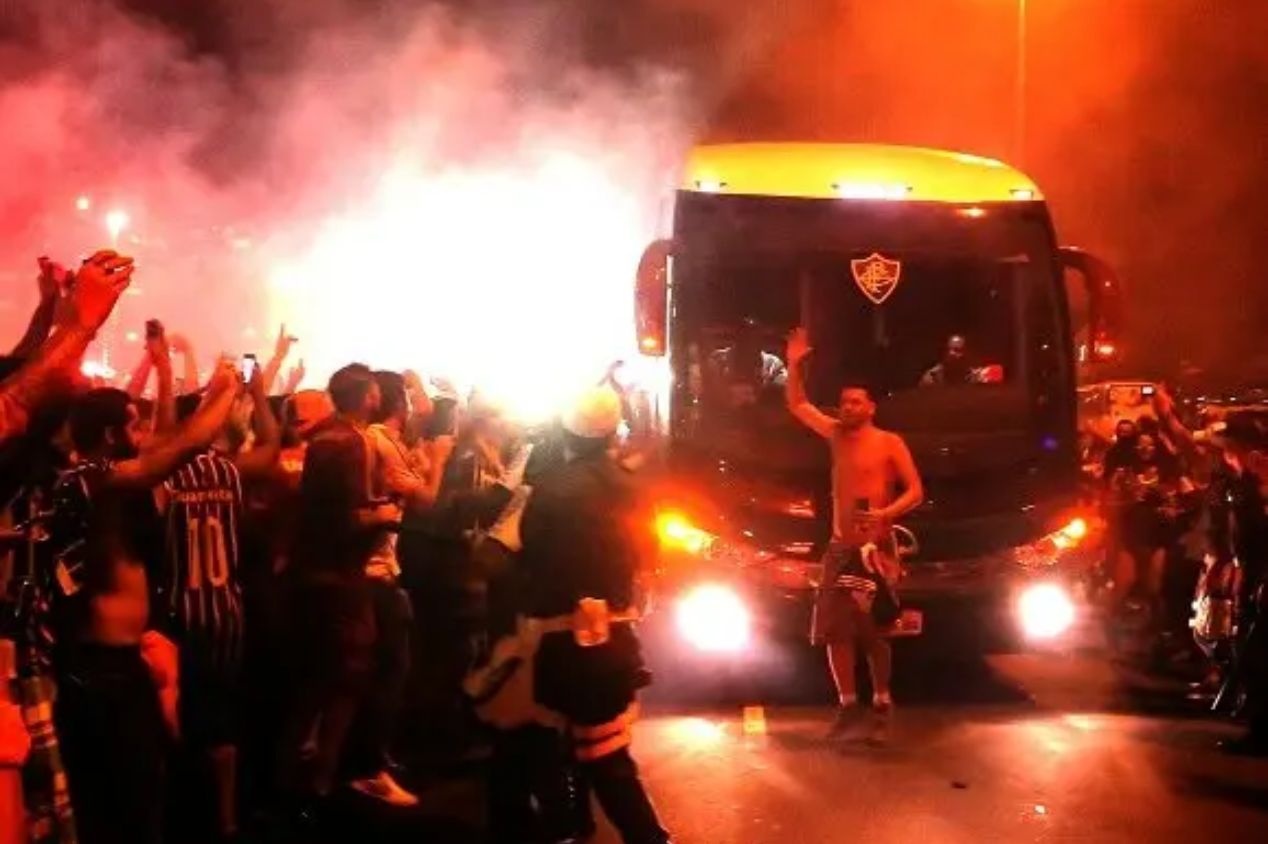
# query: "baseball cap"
[[308, 409]]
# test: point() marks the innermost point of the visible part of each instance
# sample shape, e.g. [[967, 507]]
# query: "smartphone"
[[153, 329], [248, 366], [1148, 391]]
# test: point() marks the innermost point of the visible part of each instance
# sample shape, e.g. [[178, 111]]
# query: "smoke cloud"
[[1144, 125], [464, 186], [459, 188]]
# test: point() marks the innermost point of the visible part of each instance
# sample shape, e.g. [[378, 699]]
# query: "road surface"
[[1042, 747]]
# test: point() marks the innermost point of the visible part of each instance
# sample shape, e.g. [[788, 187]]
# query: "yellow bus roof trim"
[[854, 171]]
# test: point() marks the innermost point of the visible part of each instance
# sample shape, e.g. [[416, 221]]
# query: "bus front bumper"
[[989, 605]]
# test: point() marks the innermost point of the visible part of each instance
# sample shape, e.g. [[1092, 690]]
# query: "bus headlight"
[[1046, 550], [1045, 611], [713, 617], [1073, 533], [678, 533]]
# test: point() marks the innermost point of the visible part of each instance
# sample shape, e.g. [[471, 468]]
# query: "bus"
[[936, 278]]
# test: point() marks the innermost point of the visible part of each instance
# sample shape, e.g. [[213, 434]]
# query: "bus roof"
[[854, 171]]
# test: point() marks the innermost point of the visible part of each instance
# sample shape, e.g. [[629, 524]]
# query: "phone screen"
[[248, 367]]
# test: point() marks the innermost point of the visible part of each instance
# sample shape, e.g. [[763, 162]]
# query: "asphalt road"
[[1040, 747], [1065, 762]]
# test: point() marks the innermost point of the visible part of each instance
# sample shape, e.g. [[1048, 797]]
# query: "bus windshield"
[[944, 336]]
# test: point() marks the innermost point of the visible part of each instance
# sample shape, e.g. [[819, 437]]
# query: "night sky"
[[1145, 120]]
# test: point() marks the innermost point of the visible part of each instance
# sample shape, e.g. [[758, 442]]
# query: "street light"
[[1019, 130], [116, 221]]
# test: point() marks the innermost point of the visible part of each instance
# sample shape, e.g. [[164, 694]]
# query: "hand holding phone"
[[156, 343]]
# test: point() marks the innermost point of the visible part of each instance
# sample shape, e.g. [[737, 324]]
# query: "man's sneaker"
[[848, 719], [384, 788], [882, 718]]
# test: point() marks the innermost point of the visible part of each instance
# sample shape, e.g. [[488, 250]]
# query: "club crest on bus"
[[876, 276]]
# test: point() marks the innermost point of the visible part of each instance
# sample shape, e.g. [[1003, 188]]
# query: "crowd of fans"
[[1186, 557], [1151, 501], [225, 597], [222, 592]]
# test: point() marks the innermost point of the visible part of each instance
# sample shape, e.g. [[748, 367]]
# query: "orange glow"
[[697, 733], [1077, 529], [1104, 350], [1071, 534], [754, 721], [676, 531], [854, 171], [649, 344]]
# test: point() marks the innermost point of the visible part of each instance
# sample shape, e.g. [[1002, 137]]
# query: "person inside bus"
[[954, 366], [744, 370]]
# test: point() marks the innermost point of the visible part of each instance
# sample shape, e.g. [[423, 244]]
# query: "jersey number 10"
[[208, 556]]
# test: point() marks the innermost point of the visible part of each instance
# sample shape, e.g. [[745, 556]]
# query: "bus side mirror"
[[1105, 302], [651, 298]]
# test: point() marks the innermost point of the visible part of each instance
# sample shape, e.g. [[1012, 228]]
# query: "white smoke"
[[409, 191]]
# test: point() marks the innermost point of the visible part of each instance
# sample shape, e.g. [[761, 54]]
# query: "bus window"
[[948, 322]]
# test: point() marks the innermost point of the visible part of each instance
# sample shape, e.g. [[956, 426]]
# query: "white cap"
[[595, 415]]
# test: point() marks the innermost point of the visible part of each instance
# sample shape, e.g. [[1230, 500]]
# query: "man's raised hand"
[[157, 346], [226, 377], [180, 344], [798, 345], [98, 285], [282, 346], [52, 279]]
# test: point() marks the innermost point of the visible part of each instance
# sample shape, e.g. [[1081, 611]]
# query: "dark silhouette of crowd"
[[1183, 490], [231, 602]]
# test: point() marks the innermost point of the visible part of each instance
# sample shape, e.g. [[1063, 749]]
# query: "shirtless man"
[[855, 602], [116, 677]]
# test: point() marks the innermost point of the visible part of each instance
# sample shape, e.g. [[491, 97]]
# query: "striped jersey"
[[203, 502]]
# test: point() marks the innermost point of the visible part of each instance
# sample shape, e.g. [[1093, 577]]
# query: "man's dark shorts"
[[210, 694], [846, 604]]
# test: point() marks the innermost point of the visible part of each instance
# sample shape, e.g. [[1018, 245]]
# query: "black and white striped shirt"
[[203, 501]]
